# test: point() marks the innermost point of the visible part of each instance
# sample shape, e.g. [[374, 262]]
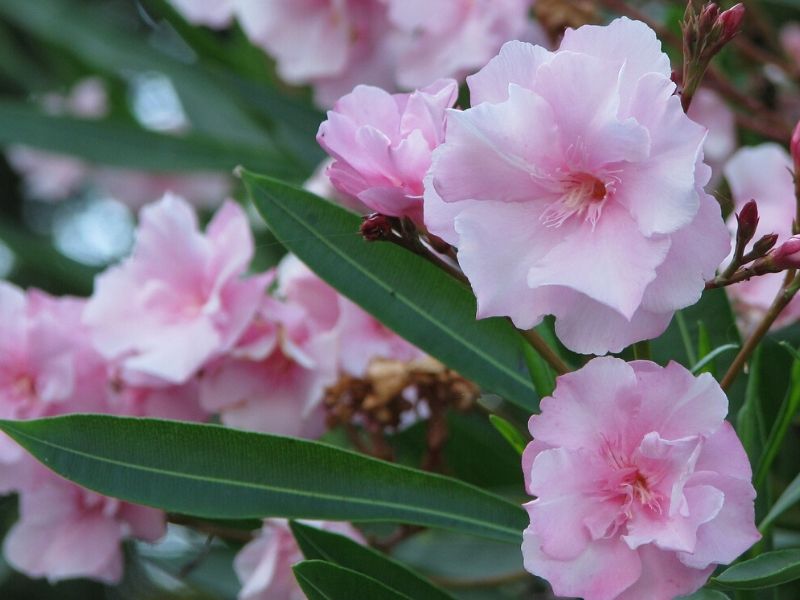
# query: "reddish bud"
[[748, 222], [708, 18], [787, 255], [794, 147], [375, 227], [731, 22], [764, 245]]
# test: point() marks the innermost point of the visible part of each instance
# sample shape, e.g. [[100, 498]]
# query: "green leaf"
[[789, 497], [509, 432], [542, 375], [750, 419], [123, 144], [344, 552], [767, 570], [321, 580], [404, 291], [702, 365], [216, 472], [787, 411], [705, 594]]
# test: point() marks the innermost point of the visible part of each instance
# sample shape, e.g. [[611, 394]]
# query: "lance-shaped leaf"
[[344, 552], [216, 472], [322, 580], [766, 570], [407, 293]]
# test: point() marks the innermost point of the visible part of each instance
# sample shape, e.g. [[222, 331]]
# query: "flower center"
[[582, 194]]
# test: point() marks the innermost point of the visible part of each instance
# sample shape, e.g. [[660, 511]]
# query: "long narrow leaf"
[[321, 580], [344, 552], [216, 472]]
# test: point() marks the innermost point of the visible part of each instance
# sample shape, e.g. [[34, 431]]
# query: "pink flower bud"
[[709, 16], [748, 222], [731, 22], [765, 244], [376, 227], [787, 255], [794, 147]]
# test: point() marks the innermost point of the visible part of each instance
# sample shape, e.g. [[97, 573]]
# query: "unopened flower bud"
[[731, 22], [764, 245], [787, 255], [748, 222], [708, 18], [794, 147], [375, 227]]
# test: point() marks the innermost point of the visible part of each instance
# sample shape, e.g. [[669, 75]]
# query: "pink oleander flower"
[[382, 144], [710, 110], [452, 38], [574, 187], [67, 532], [320, 184], [181, 298], [49, 176], [762, 173], [274, 379], [216, 14], [204, 190], [790, 40], [47, 364], [264, 566], [360, 337], [642, 486], [332, 45]]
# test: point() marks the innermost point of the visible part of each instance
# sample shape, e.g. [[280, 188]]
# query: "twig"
[[546, 352], [788, 290]]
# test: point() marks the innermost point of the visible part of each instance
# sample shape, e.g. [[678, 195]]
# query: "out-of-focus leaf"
[[322, 580], [750, 420], [125, 145], [460, 560], [407, 293], [344, 552], [700, 366], [216, 472], [82, 30], [767, 570], [780, 427], [510, 433], [542, 375], [789, 497]]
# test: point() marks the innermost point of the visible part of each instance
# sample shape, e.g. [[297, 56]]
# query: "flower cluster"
[[177, 330], [570, 169], [334, 45]]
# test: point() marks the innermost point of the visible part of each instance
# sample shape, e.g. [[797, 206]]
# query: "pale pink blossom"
[[360, 337], [320, 184], [329, 44], [264, 566], [181, 298], [452, 38], [274, 379], [216, 14], [790, 40], [49, 176], [382, 144], [47, 363], [642, 486], [204, 190], [710, 110], [762, 173], [573, 187], [66, 532]]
